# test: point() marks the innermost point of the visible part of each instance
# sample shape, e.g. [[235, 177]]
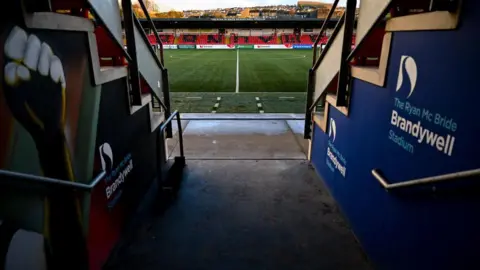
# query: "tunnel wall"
[[422, 227], [98, 133]]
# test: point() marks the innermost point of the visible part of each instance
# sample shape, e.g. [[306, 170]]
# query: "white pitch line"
[[215, 107], [286, 98], [237, 82], [193, 97], [259, 105]]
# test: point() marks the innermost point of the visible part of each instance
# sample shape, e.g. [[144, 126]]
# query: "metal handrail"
[[152, 25], [324, 25], [145, 38], [330, 41], [180, 131], [17, 176], [322, 55], [159, 101], [427, 180]]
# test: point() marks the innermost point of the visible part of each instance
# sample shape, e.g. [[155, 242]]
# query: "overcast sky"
[[208, 4]]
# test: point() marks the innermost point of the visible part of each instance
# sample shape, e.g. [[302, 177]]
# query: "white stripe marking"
[[237, 82], [286, 98], [194, 97]]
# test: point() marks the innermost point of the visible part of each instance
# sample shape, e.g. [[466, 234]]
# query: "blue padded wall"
[[416, 228]]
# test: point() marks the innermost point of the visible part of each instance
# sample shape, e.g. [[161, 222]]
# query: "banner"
[[215, 47], [169, 47], [302, 47], [186, 46], [246, 46], [272, 46]]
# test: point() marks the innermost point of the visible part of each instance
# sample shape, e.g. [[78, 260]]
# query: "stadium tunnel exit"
[[97, 171]]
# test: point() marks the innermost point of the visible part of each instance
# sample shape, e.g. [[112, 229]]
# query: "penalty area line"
[[259, 105], [217, 104]]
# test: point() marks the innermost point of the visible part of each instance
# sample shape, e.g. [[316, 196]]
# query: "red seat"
[[109, 52]]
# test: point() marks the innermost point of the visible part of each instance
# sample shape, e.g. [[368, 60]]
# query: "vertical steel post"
[[344, 73], [308, 112], [134, 76], [166, 100]]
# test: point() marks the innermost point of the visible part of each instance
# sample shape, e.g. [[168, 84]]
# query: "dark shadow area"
[[232, 214]]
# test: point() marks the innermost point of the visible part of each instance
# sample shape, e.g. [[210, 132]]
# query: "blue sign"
[[423, 123], [302, 46]]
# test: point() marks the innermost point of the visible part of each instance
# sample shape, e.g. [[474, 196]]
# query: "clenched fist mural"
[[37, 137]]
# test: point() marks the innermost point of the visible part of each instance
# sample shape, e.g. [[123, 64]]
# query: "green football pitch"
[[238, 81]]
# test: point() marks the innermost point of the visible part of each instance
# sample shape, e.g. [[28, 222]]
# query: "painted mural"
[[39, 115]]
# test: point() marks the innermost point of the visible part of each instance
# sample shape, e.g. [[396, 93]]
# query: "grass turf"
[[273, 102], [277, 77]]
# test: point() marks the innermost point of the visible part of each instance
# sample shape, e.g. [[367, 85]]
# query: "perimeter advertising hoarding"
[[272, 46], [186, 47], [302, 47], [170, 47], [215, 47]]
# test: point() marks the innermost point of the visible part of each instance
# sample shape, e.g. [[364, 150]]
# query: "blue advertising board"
[[302, 47]]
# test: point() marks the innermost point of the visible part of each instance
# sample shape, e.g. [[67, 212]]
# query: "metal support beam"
[[343, 75], [128, 20], [166, 97], [308, 112]]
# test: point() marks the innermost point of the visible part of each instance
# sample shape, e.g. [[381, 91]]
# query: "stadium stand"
[[303, 39], [263, 40], [167, 39], [188, 39], [241, 40], [211, 39], [290, 39], [193, 39]]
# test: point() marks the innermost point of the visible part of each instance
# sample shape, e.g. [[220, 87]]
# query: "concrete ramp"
[[245, 214], [242, 139]]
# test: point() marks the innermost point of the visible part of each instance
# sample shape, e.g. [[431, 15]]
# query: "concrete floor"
[[241, 139], [248, 200], [241, 214]]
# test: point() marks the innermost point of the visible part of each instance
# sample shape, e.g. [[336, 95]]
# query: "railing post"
[[166, 97], [128, 18], [154, 30], [308, 112], [322, 29], [344, 73]]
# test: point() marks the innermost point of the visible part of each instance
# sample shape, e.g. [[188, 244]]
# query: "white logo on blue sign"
[[332, 131], [407, 63]]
